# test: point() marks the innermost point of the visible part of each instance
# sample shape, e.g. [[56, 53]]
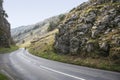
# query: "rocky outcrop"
[[5, 36], [92, 27]]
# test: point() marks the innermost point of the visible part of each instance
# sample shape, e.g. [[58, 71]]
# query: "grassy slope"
[[23, 45], [43, 48]]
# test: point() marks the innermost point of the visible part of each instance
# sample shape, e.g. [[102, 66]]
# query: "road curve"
[[20, 65]]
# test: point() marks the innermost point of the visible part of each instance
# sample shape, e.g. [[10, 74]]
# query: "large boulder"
[[62, 44]]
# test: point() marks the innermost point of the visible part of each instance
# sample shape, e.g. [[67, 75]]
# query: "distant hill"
[[32, 32]]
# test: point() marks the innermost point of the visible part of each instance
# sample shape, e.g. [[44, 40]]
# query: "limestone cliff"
[[5, 36], [91, 29]]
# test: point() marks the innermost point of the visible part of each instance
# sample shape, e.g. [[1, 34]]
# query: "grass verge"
[[88, 62], [8, 50], [3, 77]]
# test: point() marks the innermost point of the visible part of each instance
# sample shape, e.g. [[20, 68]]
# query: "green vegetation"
[[7, 50], [43, 48], [3, 77], [89, 62]]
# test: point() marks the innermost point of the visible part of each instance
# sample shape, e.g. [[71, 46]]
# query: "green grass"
[[8, 50], [3, 77], [88, 62]]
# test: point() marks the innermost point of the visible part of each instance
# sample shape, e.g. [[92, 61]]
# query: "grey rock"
[[62, 29], [74, 45], [115, 0], [101, 27], [62, 44], [90, 47], [119, 24], [81, 20], [105, 49], [96, 30], [95, 33], [90, 18], [108, 30], [74, 17], [107, 18], [117, 41], [80, 33], [84, 41], [84, 28], [117, 19], [105, 46], [71, 22], [61, 49]]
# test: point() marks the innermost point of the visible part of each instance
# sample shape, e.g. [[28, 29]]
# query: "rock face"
[[92, 27], [5, 36]]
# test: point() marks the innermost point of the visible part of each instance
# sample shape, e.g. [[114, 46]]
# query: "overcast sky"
[[26, 12]]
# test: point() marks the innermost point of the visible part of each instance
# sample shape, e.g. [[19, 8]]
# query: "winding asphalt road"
[[20, 65]]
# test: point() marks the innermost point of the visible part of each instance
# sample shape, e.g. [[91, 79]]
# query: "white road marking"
[[15, 64], [61, 72], [50, 69], [7, 74]]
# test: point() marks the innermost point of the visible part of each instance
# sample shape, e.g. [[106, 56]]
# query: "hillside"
[[25, 34], [5, 36], [89, 35], [91, 29]]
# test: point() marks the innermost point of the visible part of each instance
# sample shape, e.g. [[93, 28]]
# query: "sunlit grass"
[[26, 44]]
